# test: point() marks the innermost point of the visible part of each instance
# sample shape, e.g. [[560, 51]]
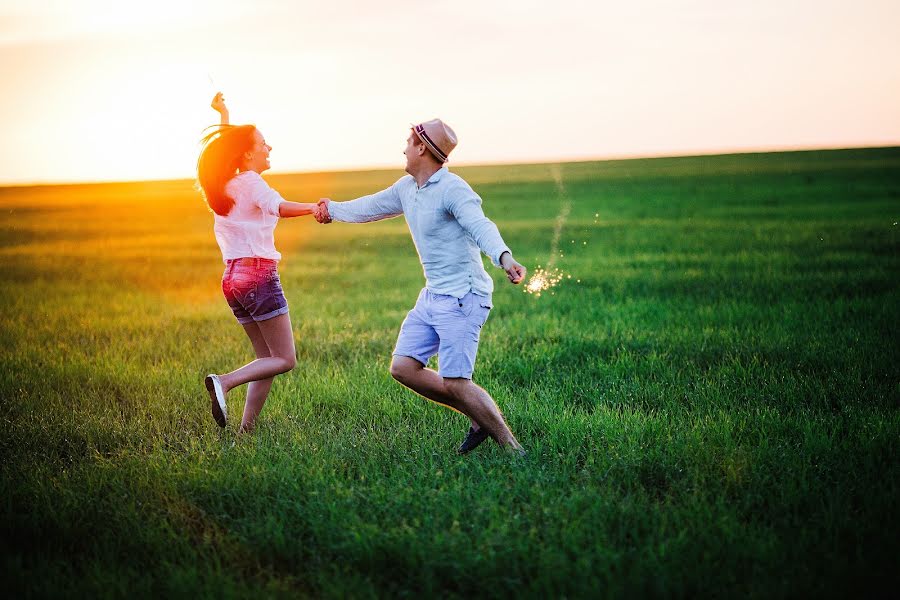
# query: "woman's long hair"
[[223, 149]]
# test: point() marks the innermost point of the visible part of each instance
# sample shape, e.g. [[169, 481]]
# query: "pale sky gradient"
[[119, 90]]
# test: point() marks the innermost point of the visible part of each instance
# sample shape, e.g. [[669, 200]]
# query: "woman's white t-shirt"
[[249, 229]]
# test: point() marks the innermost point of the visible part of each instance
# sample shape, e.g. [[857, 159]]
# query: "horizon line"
[[377, 167]]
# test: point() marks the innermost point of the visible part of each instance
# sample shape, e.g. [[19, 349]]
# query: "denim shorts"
[[253, 289], [447, 326]]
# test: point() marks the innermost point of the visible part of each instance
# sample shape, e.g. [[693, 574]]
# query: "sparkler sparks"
[[543, 279]]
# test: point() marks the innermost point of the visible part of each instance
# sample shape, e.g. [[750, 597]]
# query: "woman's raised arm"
[[218, 104]]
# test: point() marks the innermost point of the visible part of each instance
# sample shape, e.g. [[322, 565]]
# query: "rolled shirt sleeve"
[[385, 204], [465, 205], [268, 200]]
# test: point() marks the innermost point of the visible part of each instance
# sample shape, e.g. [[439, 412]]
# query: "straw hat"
[[437, 137]]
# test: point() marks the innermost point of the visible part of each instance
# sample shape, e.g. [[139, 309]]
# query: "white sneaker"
[[217, 396]]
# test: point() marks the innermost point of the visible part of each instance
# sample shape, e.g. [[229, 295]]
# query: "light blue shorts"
[[447, 326]]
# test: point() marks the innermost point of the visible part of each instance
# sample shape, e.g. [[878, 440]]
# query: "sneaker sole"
[[217, 412]]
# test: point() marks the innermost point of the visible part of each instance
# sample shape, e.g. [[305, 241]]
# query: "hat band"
[[420, 131]]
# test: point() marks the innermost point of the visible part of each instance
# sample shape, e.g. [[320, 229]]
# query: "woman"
[[246, 211]]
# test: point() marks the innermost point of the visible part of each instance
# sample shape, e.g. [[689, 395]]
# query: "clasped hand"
[[321, 213]]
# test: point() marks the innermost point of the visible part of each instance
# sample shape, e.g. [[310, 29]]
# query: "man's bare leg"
[[483, 409], [425, 382], [460, 395]]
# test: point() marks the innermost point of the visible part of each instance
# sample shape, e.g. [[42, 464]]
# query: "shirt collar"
[[437, 175]]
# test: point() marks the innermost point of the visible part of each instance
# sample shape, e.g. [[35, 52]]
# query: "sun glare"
[[143, 128], [108, 91]]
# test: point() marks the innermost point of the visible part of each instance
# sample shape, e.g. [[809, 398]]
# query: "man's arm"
[[218, 104], [465, 205], [385, 204]]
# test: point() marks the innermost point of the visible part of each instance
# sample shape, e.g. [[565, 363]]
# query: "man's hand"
[[514, 271], [322, 215]]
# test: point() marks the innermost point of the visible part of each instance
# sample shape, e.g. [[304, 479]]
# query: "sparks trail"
[[546, 278], [561, 217]]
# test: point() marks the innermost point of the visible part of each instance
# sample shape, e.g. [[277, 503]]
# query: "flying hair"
[[220, 158]]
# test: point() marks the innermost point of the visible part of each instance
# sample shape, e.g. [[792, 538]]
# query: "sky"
[[97, 90]]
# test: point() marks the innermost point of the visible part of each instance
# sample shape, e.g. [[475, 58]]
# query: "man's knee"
[[397, 372], [403, 368]]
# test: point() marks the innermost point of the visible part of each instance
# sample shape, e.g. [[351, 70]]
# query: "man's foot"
[[217, 396], [515, 449], [473, 438]]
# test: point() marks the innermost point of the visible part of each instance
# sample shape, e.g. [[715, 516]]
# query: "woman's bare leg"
[[275, 338], [257, 391], [279, 339]]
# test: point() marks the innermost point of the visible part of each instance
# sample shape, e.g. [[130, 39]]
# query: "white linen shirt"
[[447, 225], [249, 229]]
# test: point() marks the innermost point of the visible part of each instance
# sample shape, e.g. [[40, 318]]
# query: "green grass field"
[[713, 410]]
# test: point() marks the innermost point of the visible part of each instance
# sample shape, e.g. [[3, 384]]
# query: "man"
[[448, 228]]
